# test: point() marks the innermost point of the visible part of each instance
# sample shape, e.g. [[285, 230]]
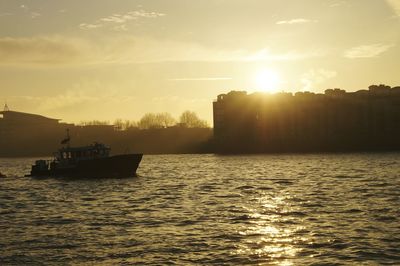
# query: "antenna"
[[67, 139]]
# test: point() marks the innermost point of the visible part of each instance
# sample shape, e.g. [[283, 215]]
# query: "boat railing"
[[81, 155]]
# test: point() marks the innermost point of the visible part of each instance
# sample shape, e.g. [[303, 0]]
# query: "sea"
[[291, 209]]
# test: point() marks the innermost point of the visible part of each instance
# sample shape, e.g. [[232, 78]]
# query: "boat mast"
[[67, 139]]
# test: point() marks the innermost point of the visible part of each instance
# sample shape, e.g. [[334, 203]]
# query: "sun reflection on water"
[[272, 232]]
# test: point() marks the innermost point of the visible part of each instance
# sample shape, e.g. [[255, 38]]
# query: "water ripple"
[[316, 209]]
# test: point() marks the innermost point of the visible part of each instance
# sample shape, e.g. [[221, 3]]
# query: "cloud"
[[296, 21], [144, 50], [132, 15], [35, 15], [395, 4], [122, 27], [266, 55], [120, 19], [32, 14], [68, 99], [199, 79], [339, 3], [86, 93], [60, 50], [314, 77], [86, 26], [6, 14], [367, 51], [39, 50], [125, 49]]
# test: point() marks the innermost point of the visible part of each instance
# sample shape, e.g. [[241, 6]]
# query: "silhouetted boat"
[[87, 161]]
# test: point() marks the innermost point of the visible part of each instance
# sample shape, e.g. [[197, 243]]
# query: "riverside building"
[[284, 122], [25, 134]]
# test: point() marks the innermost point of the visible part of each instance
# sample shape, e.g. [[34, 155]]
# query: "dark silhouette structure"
[[366, 120], [28, 134], [24, 134], [87, 162]]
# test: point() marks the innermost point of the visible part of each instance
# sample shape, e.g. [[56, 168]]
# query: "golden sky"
[[108, 59]]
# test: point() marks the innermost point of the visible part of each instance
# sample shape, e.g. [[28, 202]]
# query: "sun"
[[267, 80]]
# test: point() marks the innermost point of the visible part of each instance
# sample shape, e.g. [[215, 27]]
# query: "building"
[[333, 121], [22, 133], [11, 120]]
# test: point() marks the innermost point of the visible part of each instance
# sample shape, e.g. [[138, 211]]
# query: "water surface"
[[207, 209]]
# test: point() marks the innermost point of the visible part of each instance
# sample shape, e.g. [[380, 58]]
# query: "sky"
[[108, 59]]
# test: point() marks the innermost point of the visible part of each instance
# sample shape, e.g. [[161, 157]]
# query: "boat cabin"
[[74, 154]]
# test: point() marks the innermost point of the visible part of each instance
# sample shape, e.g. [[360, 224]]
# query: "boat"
[[1, 175], [91, 161]]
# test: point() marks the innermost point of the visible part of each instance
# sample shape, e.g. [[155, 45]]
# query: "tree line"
[[187, 119]]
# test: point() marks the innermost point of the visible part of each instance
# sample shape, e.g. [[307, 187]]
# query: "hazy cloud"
[[338, 3], [266, 55], [296, 21], [122, 27], [68, 99], [82, 92], [132, 15], [367, 51], [199, 79], [6, 14], [86, 26], [395, 4], [125, 49], [314, 77], [39, 50], [35, 14], [121, 19], [32, 14]]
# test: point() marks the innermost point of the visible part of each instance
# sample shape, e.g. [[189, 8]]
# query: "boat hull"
[[114, 166]]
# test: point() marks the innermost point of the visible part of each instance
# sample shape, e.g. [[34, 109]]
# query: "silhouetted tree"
[[149, 120], [379, 88], [190, 119], [165, 119], [160, 120], [130, 124], [94, 123], [120, 124]]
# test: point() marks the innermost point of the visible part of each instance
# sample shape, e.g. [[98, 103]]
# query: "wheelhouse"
[[95, 151]]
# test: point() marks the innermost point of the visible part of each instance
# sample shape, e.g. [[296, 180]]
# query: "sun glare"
[[267, 80]]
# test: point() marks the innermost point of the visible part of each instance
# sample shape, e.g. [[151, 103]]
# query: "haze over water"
[[211, 210]]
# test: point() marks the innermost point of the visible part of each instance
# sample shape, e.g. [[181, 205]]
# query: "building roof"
[[21, 115]]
